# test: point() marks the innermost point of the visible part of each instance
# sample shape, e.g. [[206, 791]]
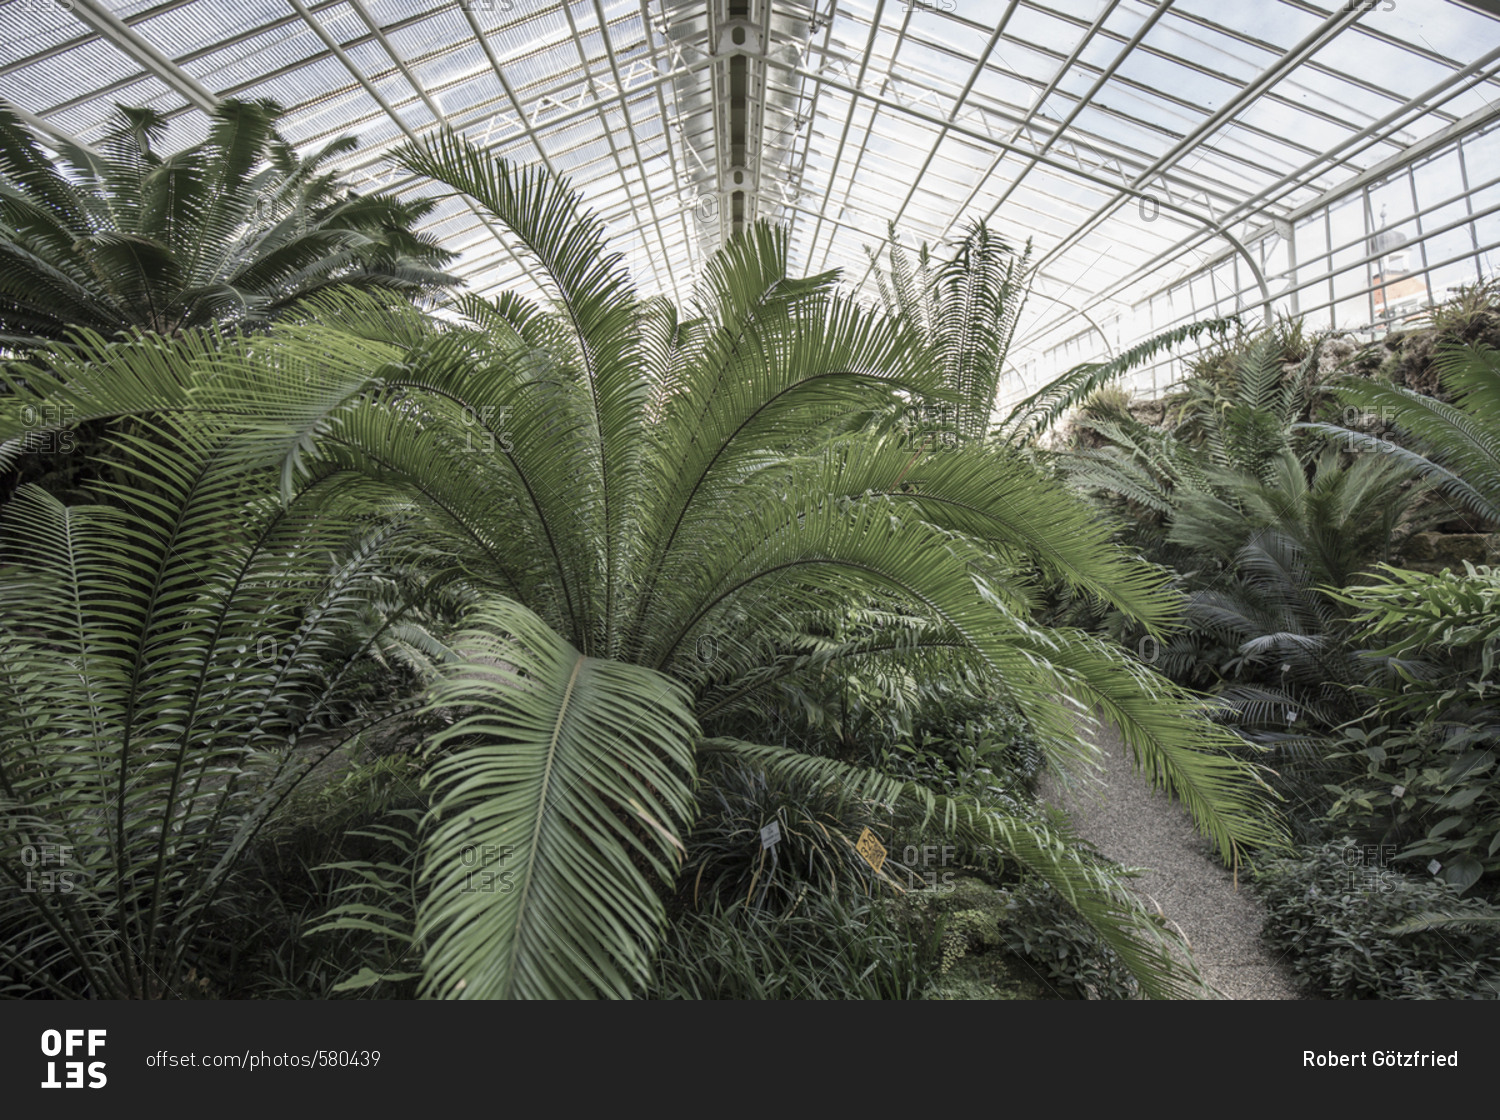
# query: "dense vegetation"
[[1332, 524], [581, 649]]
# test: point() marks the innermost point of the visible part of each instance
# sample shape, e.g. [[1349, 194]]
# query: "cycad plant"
[[174, 664], [1261, 521], [965, 310], [649, 506], [1185, 484], [234, 229], [1456, 446]]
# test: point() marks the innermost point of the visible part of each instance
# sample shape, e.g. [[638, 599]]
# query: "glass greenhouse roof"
[[1168, 160]]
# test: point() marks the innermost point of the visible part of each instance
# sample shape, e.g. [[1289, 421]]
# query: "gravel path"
[[1128, 823]]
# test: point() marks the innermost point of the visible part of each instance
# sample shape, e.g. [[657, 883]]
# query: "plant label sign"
[[770, 836], [870, 849]]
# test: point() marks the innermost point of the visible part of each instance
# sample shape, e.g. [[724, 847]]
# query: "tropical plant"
[[1427, 741], [1242, 470], [1351, 927], [816, 827], [1215, 373], [1190, 487], [1469, 312], [650, 509], [1034, 416], [232, 230], [325, 930], [1039, 928], [1301, 535], [166, 684], [965, 311], [1260, 521], [820, 947], [1454, 445]]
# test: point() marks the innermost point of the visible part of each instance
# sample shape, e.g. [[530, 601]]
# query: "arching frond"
[[558, 772]]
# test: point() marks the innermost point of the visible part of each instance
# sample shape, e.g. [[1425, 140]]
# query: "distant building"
[[1396, 293]]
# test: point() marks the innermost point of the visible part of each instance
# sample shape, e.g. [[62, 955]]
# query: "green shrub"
[[962, 912], [1041, 929], [327, 916], [819, 823], [1426, 751], [1330, 915], [822, 947], [963, 745]]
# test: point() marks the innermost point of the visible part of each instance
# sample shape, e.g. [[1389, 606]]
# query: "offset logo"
[[66, 1044]]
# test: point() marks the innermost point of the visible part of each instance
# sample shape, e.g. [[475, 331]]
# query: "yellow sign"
[[870, 849]]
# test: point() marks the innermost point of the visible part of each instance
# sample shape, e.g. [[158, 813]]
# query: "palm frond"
[[565, 771]]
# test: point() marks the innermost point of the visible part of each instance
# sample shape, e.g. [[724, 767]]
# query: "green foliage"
[[1259, 521], [235, 229], [1302, 531], [574, 771], [822, 947], [1041, 929], [1033, 842], [1470, 311], [965, 311], [652, 518], [1215, 372], [1107, 401], [989, 976], [1332, 914], [1033, 417], [819, 823], [344, 929], [968, 747], [1426, 749], [166, 685], [1224, 471], [1454, 445], [963, 912]]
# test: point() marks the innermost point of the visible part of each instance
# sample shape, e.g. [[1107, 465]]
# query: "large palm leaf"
[[1455, 445], [570, 771]]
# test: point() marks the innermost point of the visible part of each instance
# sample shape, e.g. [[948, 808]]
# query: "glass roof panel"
[[1130, 140]]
